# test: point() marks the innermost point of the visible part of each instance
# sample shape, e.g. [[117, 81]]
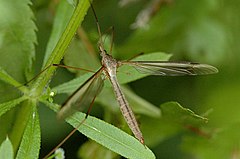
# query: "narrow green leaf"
[[6, 149], [4, 76], [111, 137], [108, 135], [61, 20], [17, 36], [30, 144], [4, 107], [72, 85], [61, 46]]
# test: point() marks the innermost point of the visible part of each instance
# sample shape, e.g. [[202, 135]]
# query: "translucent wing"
[[83, 96], [167, 68]]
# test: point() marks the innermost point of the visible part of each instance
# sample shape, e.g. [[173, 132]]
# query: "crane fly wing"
[[83, 96], [168, 68]]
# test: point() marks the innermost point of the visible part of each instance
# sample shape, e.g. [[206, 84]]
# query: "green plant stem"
[[59, 51]]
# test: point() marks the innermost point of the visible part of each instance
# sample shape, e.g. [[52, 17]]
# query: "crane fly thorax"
[[110, 64]]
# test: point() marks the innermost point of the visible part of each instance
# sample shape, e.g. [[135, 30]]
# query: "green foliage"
[[205, 31], [98, 149], [109, 136], [6, 149], [12, 37]]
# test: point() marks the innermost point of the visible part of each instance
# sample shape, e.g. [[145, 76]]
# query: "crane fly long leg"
[[64, 140], [168, 68], [83, 96]]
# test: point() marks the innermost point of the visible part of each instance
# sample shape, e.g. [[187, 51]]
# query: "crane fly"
[[88, 91]]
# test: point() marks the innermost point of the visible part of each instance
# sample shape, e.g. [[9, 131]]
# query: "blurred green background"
[[204, 31]]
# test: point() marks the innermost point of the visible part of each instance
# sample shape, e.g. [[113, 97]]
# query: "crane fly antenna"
[[97, 23], [99, 29], [112, 39]]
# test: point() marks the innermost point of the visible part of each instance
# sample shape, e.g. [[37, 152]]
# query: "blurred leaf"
[[62, 17], [223, 144], [175, 119], [108, 135], [175, 29], [17, 39], [78, 56], [17, 36], [206, 41], [30, 143], [6, 149], [138, 104], [108, 99], [93, 150], [232, 24], [174, 112], [225, 104]]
